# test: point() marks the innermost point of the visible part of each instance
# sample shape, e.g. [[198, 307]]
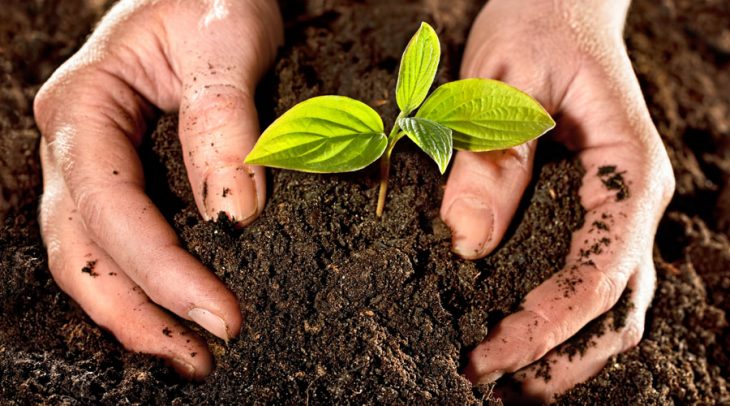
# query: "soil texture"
[[341, 307]]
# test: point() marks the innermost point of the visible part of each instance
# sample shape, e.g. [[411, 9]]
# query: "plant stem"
[[394, 136], [384, 174]]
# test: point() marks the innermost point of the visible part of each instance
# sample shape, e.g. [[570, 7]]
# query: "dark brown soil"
[[341, 307]]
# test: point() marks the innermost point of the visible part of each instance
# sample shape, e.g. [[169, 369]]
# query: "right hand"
[[570, 56], [108, 246]]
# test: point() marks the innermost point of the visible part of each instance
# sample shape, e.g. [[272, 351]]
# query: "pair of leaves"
[[339, 134]]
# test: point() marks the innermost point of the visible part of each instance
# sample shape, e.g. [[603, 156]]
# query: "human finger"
[[604, 254], [90, 144], [218, 117], [560, 370], [482, 195], [108, 296]]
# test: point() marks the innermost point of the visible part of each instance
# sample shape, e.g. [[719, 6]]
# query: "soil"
[[344, 308]]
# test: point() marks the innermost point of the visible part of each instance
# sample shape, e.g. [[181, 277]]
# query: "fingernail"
[[472, 224], [210, 322], [183, 367], [232, 191]]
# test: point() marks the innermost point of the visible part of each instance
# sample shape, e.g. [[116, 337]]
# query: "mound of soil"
[[340, 306]]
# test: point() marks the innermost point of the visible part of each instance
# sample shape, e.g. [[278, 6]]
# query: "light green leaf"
[[486, 114], [417, 69], [433, 138], [324, 134]]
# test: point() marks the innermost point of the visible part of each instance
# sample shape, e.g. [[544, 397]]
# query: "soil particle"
[[595, 248], [614, 180], [89, 268], [601, 225], [167, 332], [542, 370], [569, 281], [612, 321]]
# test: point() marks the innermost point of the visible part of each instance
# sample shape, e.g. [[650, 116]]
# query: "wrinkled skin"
[[570, 56], [204, 59]]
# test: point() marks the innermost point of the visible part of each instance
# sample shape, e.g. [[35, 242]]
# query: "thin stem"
[[394, 136], [384, 174]]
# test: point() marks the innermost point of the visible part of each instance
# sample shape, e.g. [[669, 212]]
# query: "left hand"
[[571, 57]]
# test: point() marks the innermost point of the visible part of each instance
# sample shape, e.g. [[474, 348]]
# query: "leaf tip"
[[444, 164], [426, 26], [551, 122], [250, 157]]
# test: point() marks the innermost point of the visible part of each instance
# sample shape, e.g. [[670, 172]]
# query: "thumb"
[[484, 189], [220, 63], [218, 128]]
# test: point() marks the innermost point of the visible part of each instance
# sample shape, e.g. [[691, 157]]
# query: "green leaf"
[[324, 134], [433, 138], [486, 114], [417, 69]]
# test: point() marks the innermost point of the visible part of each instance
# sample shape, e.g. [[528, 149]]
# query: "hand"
[[570, 56], [108, 246]]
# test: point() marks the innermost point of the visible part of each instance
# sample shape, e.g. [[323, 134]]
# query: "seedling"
[[328, 134]]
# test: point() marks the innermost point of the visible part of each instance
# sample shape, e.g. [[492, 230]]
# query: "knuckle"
[[479, 62], [92, 203], [44, 109], [608, 286], [41, 104], [89, 204], [669, 185], [156, 286], [631, 335], [660, 167], [214, 108], [49, 204], [115, 105], [56, 264], [517, 158], [49, 100], [521, 157], [542, 343], [49, 211], [118, 318]]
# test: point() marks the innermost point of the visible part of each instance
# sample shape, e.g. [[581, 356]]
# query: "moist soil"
[[341, 307]]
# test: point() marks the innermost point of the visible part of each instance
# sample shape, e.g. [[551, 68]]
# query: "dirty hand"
[[569, 55], [108, 246]]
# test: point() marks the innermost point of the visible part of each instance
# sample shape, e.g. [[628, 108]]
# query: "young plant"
[[329, 134]]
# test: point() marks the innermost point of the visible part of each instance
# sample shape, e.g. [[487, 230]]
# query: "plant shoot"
[[328, 134]]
